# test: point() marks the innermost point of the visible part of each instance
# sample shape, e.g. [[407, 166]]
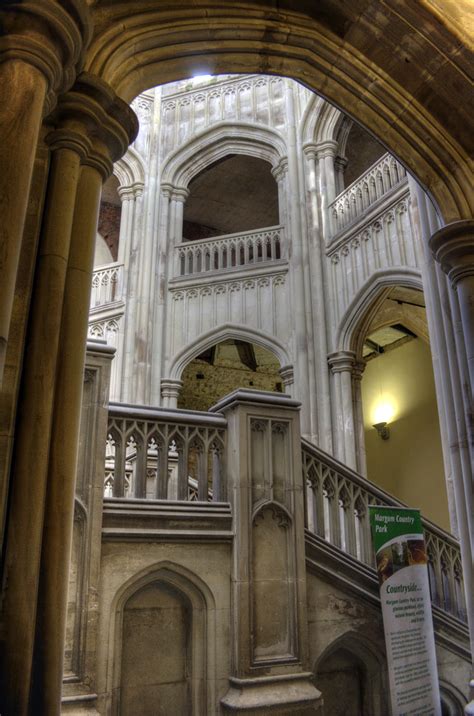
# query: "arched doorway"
[[401, 424]]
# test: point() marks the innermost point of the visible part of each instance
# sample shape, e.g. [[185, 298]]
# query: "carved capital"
[[92, 110], [171, 388], [342, 361], [453, 247], [326, 149], [49, 35], [287, 375]]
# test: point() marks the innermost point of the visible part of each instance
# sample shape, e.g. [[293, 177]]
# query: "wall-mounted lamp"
[[383, 430]]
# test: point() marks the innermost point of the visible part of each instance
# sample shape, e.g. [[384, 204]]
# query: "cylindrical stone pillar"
[[28, 483], [40, 45], [57, 534], [453, 248]]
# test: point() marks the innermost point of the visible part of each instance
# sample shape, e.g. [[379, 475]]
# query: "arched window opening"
[[227, 366], [109, 223], [233, 195], [398, 389]]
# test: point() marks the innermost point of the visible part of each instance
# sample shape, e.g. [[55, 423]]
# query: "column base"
[[288, 694]]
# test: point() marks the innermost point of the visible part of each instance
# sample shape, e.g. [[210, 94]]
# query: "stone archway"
[[350, 59]]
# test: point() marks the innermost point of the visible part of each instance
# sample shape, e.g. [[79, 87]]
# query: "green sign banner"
[[406, 609]]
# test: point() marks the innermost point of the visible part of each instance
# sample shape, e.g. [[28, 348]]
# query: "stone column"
[[270, 660], [129, 196], [112, 128], [451, 379], [321, 299], [41, 510], [40, 45], [160, 319], [29, 470], [453, 248], [361, 460], [342, 366]]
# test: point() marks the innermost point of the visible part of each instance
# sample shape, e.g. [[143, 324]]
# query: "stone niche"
[[157, 668]]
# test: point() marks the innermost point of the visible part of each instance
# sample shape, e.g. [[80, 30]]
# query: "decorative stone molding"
[[326, 149], [217, 141], [93, 121], [342, 361], [170, 389], [287, 375], [130, 172], [49, 35], [453, 247]]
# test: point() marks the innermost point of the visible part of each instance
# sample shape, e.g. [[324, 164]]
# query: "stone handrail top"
[[105, 267], [237, 235], [170, 415], [366, 484], [360, 179]]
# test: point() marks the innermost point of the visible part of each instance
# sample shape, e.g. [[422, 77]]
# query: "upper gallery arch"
[[218, 141]]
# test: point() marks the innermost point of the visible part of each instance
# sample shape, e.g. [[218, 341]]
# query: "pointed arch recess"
[[228, 331], [357, 318], [217, 142], [202, 602]]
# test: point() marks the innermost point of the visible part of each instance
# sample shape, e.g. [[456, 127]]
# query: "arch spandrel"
[[418, 108]]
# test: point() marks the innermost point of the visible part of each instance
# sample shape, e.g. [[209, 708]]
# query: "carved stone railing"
[[180, 455], [165, 454], [337, 501], [378, 181], [230, 252], [106, 285]]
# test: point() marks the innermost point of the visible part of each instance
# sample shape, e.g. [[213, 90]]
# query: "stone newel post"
[[269, 578]]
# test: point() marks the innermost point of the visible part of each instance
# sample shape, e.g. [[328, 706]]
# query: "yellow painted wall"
[[410, 464]]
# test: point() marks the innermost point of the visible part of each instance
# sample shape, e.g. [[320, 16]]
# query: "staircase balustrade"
[[378, 181], [337, 502], [229, 252], [106, 284], [158, 454], [164, 455]]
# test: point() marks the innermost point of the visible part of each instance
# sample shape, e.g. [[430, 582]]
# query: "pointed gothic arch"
[[199, 601], [218, 141], [227, 331]]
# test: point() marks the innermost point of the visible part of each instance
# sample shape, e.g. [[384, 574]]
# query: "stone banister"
[[376, 183], [230, 251], [337, 502]]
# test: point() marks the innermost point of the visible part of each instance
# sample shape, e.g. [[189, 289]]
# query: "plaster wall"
[[410, 464]]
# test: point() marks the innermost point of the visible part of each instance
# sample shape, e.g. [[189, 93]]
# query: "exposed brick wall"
[[109, 226]]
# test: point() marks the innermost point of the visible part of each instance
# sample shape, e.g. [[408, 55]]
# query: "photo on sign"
[[384, 564]]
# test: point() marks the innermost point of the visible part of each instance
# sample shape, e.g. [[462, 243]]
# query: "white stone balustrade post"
[[265, 487]]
